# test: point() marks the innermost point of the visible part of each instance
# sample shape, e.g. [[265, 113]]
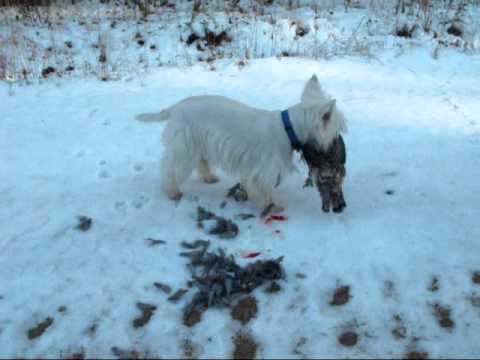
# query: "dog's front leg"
[[272, 208], [261, 197], [268, 201], [205, 172]]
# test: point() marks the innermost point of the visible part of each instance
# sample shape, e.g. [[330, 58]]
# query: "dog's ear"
[[312, 90], [329, 122], [326, 112]]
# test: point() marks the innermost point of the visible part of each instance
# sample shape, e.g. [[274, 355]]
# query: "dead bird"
[[327, 170]]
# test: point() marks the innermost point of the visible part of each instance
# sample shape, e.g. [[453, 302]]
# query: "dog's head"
[[325, 121], [327, 170]]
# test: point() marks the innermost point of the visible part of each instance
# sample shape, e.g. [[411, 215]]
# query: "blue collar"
[[290, 132]]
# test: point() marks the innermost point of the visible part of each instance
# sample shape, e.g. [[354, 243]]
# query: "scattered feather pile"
[[219, 279]]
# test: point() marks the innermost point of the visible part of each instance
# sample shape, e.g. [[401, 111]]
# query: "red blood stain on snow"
[[273, 218]]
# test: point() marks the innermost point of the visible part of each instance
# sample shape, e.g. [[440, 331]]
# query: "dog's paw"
[[277, 208], [211, 179], [175, 195], [272, 208]]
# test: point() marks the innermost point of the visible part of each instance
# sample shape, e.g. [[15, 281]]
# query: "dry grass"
[[103, 38]]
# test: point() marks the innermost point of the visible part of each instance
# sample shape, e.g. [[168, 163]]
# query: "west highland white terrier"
[[255, 145]]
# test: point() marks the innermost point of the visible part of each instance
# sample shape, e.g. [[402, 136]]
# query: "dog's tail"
[[154, 117]]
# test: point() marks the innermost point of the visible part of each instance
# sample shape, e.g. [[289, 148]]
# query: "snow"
[[71, 147]]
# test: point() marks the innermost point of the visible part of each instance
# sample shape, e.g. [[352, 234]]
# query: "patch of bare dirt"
[[475, 300], [476, 277], [147, 312], [434, 284], [273, 288], [443, 316], [245, 346], [455, 30], [191, 318], [348, 338], [40, 328], [189, 349], [298, 347], [245, 310], [216, 40], [388, 289], [92, 329], [301, 30], [399, 331], [416, 354], [84, 223], [80, 355], [47, 71], [125, 354], [340, 296], [406, 30]]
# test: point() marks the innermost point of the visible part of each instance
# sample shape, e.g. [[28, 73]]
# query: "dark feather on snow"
[[223, 228]]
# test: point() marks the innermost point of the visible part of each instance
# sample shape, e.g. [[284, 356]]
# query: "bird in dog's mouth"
[[327, 171]]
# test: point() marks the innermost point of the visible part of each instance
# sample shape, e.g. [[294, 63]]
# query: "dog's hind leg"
[[173, 175], [205, 172]]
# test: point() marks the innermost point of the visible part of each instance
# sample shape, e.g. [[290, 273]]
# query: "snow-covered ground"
[[71, 147]]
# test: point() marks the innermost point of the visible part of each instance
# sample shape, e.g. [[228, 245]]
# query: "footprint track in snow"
[[121, 206], [103, 174], [138, 203]]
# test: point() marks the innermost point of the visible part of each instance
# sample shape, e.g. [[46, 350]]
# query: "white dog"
[[250, 143]]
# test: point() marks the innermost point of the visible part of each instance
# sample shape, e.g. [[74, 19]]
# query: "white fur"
[[251, 143]]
